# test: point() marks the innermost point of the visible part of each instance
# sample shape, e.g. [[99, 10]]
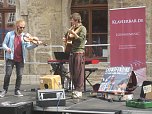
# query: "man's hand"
[[8, 50], [39, 42], [73, 33], [64, 39]]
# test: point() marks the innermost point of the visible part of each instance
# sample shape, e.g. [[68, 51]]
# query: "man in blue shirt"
[[15, 53]]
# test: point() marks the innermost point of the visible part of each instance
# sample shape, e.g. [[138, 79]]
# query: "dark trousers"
[[77, 67], [8, 72]]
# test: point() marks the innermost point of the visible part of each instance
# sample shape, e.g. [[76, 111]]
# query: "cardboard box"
[[50, 82], [146, 90], [120, 97], [116, 97], [149, 95]]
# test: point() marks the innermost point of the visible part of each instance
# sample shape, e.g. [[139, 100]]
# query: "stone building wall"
[[136, 3], [46, 19]]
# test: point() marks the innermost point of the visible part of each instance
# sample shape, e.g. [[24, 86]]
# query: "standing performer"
[[15, 54], [75, 44]]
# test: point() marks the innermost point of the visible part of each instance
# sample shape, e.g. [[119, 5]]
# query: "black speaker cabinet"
[[16, 108]]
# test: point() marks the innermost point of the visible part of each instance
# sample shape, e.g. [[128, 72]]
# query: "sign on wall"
[[127, 40]]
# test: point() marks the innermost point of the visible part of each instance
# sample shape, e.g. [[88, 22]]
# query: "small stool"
[[90, 70]]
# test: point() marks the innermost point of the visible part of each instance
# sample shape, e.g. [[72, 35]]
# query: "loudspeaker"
[[16, 108], [50, 97], [50, 82]]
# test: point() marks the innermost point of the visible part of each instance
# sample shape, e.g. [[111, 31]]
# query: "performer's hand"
[[27, 35], [35, 38], [64, 39], [71, 31], [39, 42], [8, 50]]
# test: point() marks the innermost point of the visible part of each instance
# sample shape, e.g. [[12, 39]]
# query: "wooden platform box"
[[16, 108]]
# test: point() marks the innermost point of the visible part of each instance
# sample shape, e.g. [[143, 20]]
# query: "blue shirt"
[[9, 43]]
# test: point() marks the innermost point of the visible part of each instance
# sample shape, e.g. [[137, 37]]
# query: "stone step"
[[2, 64], [27, 79]]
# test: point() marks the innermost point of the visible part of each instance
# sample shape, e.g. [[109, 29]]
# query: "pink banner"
[[127, 40]]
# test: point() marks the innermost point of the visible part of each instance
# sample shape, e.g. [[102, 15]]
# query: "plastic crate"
[[139, 103]]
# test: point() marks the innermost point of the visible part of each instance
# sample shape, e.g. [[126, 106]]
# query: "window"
[[11, 2], [11, 19], [95, 18], [2, 1]]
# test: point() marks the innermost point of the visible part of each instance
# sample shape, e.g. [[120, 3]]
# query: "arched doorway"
[[95, 18]]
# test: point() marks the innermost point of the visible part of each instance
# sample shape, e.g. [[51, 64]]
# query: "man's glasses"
[[22, 27]]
